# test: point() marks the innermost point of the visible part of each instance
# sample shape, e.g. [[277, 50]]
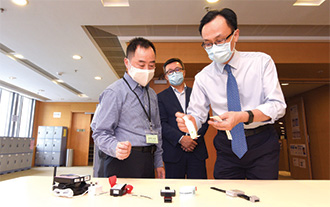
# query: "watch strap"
[[251, 116]]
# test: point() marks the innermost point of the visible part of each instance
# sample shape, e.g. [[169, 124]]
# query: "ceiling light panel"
[[76, 57], [308, 2], [115, 3], [20, 2], [212, 1]]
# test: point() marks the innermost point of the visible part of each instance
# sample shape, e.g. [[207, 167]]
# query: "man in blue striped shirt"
[[126, 125]]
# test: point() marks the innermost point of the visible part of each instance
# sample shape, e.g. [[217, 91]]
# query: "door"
[[79, 138], [298, 141]]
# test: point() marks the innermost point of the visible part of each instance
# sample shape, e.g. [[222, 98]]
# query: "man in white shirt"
[[260, 96]]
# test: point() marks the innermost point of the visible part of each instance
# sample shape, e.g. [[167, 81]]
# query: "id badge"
[[151, 137]]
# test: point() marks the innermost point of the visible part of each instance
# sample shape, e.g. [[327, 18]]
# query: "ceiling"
[[48, 33]]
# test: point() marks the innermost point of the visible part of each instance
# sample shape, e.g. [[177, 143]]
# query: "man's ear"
[[236, 35], [126, 62], [166, 77]]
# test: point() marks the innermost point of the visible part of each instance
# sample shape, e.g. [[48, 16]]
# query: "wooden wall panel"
[[290, 52], [281, 52], [317, 109]]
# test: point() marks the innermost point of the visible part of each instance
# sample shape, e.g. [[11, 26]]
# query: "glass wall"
[[16, 114]]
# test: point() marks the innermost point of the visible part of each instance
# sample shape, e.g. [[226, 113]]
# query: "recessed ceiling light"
[[76, 57], [308, 2], [284, 84], [98, 78], [212, 1], [12, 78], [20, 2]]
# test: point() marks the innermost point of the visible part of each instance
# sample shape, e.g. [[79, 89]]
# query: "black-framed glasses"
[[170, 72], [209, 45]]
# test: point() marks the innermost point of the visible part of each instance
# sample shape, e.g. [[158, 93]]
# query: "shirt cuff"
[[180, 139], [198, 123]]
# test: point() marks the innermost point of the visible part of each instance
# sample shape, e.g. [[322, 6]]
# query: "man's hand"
[[229, 120], [188, 144], [181, 122], [123, 150], [160, 172]]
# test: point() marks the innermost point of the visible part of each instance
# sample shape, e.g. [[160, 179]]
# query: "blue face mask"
[[175, 78]]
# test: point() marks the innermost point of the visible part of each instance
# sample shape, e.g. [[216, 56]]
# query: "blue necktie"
[[238, 144]]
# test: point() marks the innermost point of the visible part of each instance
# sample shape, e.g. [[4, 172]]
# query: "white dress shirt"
[[258, 87], [181, 97]]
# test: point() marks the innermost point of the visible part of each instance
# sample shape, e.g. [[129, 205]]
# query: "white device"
[[254, 199], [95, 189], [191, 128], [63, 192], [217, 118], [234, 193], [188, 190]]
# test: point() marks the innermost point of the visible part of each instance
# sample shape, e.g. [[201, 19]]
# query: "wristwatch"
[[251, 116]]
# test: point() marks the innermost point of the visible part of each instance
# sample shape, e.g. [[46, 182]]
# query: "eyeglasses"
[[209, 45], [170, 72]]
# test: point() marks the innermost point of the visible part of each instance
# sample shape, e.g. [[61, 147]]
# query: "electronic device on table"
[[69, 185]]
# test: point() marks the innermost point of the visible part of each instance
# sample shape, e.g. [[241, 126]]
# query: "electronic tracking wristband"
[[251, 116]]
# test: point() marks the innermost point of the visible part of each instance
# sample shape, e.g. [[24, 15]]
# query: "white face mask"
[[220, 53], [141, 76]]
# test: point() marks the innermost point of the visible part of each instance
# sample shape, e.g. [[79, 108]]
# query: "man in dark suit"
[[183, 156]]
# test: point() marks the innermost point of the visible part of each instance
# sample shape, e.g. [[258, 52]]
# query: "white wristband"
[[191, 128]]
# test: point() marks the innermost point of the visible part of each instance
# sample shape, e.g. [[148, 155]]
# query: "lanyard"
[[149, 116]]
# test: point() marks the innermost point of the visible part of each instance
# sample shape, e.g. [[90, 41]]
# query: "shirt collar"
[[132, 82], [176, 91], [233, 63]]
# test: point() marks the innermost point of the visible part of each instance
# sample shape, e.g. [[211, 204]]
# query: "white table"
[[36, 191]]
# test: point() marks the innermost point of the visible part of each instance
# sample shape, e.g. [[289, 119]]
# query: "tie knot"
[[228, 68]]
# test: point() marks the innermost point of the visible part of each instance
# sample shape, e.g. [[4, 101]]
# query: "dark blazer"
[[168, 106]]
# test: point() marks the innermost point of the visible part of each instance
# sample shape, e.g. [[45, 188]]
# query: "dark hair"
[[226, 13], [172, 60], [138, 41]]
